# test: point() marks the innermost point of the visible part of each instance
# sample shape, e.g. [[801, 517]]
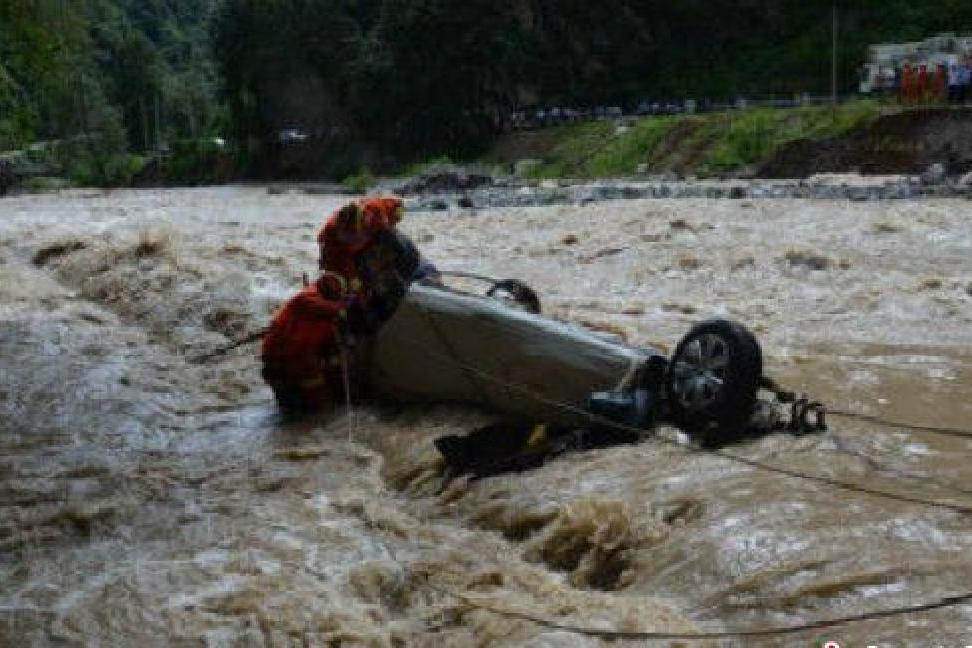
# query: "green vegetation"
[[404, 80], [199, 161], [703, 144], [627, 148], [387, 82], [417, 168], [41, 184], [105, 81], [753, 136], [360, 182], [574, 146], [113, 170]]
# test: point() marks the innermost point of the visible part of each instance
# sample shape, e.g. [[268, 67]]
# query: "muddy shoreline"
[[147, 496]]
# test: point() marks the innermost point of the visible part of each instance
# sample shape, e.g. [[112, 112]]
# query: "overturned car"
[[496, 351]]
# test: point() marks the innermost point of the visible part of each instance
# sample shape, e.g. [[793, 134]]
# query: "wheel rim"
[[699, 372]]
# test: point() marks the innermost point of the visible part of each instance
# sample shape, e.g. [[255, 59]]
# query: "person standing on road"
[[922, 90], [965, 80], [940, 83], [907, 84]]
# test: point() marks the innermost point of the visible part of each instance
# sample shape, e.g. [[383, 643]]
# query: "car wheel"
[[713, 380], [516, 292]]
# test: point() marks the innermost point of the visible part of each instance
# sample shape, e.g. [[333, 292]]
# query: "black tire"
[[713, 380], [517, 292]]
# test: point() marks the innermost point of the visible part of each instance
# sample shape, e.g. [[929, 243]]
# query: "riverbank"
[[511, 192], [859, 137]]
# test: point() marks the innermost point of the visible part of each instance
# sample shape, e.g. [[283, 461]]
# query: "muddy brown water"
[[149, 499]]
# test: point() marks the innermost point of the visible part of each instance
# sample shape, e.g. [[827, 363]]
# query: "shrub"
[[39, 184], [359, 182], [198, 161], [112, 170]]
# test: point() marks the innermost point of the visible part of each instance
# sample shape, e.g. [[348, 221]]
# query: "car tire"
[[713, 380]]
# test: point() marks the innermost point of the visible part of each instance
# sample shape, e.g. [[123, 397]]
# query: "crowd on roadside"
[[926, 83], [546, 116]]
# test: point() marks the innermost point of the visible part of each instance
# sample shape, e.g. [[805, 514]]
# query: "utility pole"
[[146, 144], [833, 65], [158, 125]]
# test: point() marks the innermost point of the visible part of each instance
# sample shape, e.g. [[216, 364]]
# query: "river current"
[[148, 499]]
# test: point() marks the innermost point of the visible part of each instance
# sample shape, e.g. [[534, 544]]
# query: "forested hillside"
[[105, 78], [378, 82], [410, 78]]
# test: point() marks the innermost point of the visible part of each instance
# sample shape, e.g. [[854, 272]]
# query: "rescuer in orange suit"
[[908, 83], [351, 230], [302, 350], [923, 85], [308, 347]]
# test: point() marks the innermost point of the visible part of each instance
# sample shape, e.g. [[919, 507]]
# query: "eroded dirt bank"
[[147, 496]]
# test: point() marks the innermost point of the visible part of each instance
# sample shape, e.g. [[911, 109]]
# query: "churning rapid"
[[146, 496]]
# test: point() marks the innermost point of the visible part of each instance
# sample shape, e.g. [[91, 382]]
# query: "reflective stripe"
[[342, 282], [538, 435]]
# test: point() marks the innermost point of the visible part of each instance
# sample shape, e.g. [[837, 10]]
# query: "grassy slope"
[[700, 144]]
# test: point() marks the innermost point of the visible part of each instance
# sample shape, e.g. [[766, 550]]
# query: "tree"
[[440, 75]]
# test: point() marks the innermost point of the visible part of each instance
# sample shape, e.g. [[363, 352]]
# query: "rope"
[[252, 337], [346, 377], [954, 432], [876, 466], [843, 485], [468, 275], [450, 349], [944, 602]]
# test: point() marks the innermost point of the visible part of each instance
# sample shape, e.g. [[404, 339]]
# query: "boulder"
[[426, 204], [446, 179]]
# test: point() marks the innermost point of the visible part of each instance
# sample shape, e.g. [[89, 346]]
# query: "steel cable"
[[944, 602], [753, 463]]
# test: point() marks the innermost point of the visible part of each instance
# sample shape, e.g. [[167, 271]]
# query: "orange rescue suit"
[[301, 351], [351, 230]]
